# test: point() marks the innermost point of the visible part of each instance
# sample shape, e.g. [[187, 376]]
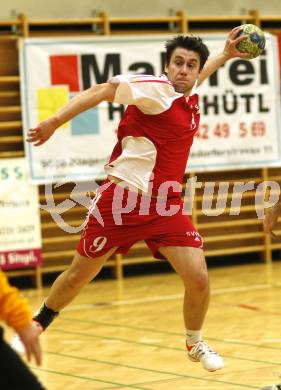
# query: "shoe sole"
[[198, 361]]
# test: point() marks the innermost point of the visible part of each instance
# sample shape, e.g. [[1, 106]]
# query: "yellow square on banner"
[[50, 100]]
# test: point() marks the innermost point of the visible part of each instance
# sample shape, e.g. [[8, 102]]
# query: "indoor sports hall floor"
[[130, 335]]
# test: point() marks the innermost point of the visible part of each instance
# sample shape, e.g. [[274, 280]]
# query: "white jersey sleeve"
[[152, 95]]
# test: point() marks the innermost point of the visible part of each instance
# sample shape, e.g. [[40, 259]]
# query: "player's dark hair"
[[188, 42]]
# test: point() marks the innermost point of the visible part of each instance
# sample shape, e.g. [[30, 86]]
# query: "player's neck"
[[187, 94]]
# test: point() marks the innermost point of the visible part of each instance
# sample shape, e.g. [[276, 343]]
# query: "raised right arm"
[[87, 99]]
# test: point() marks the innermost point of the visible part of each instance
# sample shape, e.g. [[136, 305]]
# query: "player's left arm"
[[230, 51]]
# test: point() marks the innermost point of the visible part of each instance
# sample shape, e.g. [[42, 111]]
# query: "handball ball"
[[255, 42]]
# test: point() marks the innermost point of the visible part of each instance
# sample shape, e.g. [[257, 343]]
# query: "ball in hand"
[[254, 44]]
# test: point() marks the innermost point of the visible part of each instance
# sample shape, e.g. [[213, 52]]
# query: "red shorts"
[[119, 218]]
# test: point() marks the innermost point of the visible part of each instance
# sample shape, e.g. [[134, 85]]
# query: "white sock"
[[193, 336]]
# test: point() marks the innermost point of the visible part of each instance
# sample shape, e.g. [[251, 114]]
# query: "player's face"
[[183, 69]]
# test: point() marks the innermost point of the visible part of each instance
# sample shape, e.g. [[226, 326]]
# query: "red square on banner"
[[64, 70]]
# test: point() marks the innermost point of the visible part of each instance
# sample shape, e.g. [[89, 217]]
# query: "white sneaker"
[[202, 352]]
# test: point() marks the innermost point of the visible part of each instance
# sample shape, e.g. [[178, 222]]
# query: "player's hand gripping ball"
[[255, 42]]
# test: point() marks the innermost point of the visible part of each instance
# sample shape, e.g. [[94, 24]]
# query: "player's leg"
[[190, 265], [68, 284]]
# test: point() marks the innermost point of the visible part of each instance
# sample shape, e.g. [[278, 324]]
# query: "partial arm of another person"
[[17, 314], [85, 100], [229, 51], [271, 219]]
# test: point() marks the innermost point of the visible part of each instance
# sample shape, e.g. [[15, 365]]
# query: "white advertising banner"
[[20, 233], [240, 107]]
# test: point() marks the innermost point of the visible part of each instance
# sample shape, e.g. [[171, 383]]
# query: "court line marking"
[[257, 309], [87, 378], [227, 341], [159, 298], [167, 347], [152, 383], [152, 370], [146, 383]]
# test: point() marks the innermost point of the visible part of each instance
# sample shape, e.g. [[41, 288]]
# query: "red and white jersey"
[[155, 133]]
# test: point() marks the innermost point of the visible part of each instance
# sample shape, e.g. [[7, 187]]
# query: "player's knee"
[[199, 283]]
